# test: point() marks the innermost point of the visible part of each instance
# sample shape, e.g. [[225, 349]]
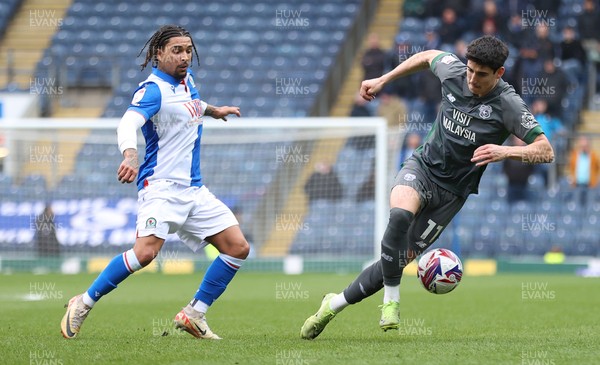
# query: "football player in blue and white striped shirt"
[[171, 196]]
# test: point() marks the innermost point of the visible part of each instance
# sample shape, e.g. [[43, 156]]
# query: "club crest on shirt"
[[527, 121], [137, 97], [447, 59], [151, 222], [485, 111]]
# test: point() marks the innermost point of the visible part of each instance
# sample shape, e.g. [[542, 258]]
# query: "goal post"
[[58, 179]]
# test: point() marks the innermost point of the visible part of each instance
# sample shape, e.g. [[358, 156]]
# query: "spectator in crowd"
[[323, 184], [515, 32], [584, 168], [551, 125], [534, 49], [555, 255], [489, 28], [411, 142], [515, 7], [588, 22], [374, 58], [492, 22], [555, 88], [556, 134], [432, 39], [517, 173], [361, 109], [571, 47], [367, 189], [548, 7], [403, 88], [429, 98], [450, 29], [45, 240], [393, 109], [546, 48], [460, 50]]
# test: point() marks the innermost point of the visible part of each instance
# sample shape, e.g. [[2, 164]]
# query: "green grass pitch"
[[503, 319]]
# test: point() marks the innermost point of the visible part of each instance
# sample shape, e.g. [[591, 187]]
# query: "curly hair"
[[488, 51], [160, 38]]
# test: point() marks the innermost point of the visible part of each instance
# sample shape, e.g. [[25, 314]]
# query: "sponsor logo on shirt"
[[459, 124], [448, 59], [528, 121]]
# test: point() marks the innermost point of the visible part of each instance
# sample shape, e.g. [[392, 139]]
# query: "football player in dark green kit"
[[477, 113]]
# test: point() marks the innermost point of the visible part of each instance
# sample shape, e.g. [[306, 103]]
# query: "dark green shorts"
[[438, 205]]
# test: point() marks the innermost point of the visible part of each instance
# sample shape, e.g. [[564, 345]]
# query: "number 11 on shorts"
[[430, 228]]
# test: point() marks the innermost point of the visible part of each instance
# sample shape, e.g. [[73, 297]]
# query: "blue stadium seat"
[[83, 27], [586, 243], [412, 25], [485, 241]]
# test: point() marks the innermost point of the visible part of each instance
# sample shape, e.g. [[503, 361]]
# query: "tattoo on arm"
[[210, 110], [131, 156]]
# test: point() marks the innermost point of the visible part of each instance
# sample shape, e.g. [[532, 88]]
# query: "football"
[[439, 271]]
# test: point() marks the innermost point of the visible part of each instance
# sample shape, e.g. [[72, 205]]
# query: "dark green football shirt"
[[466, 122]]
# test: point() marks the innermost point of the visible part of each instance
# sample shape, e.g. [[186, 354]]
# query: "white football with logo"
[[439, 271]]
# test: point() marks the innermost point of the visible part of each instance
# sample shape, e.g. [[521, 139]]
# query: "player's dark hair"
[[160, 38], [488, 51]]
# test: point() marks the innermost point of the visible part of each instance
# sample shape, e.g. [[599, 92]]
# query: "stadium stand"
[[98, 44], [262, 49], [7, 9]]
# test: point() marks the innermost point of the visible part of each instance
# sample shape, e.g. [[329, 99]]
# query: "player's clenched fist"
[[128, 169], [370, 88]]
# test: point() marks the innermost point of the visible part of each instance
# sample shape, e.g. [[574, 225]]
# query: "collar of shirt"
[[168, 78]]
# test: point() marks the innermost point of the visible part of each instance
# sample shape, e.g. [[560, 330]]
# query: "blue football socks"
[[218, 275], [120, 267]]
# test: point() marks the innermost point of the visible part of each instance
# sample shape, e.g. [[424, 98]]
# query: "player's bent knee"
[[146, 256], [146, 249], [400, 218], [241, 250]]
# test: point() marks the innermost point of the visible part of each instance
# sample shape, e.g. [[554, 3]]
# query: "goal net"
[[309, 193]]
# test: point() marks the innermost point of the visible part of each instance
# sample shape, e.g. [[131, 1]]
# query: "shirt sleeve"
[[127, 130], [518, 120], [446, 66], [146, 100]]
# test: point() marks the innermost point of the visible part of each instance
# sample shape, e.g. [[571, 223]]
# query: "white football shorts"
[[193, 212]]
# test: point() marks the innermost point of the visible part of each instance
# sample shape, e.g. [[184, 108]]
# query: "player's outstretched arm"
[[417, 62], [221, 112], [539, 151]]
